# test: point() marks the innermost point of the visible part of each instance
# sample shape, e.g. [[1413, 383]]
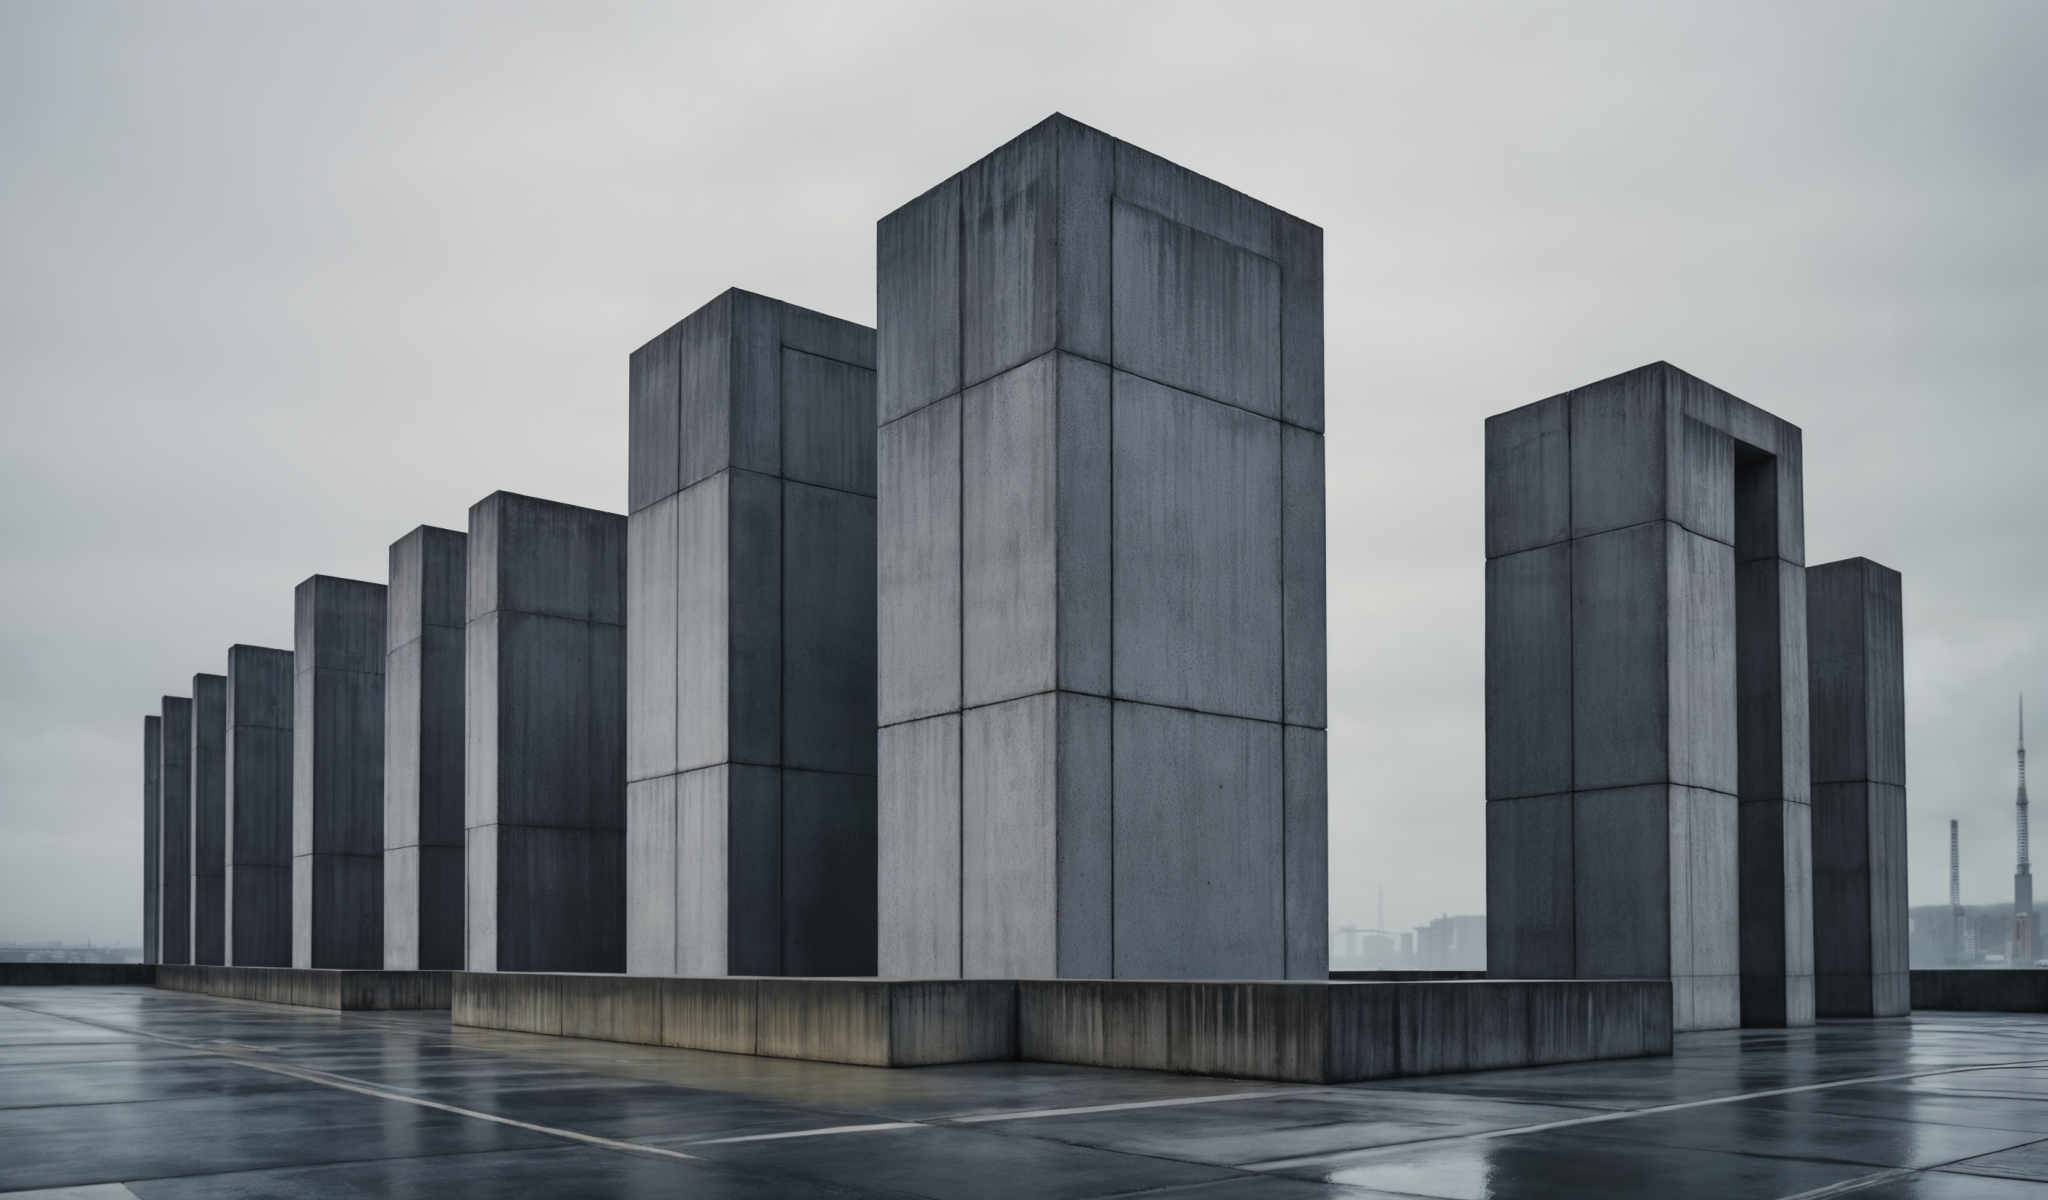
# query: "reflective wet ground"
[[116, 1092]]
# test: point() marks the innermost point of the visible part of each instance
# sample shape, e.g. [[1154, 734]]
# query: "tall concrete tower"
[[1955, 900], [2023, 877]]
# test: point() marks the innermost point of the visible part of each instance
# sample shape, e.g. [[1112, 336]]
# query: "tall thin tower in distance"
[[1955, 900], [2023, 878]]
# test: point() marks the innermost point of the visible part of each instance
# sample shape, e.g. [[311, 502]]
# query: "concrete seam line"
[[1174, 1102], [1857, 1184], [1630, 1114], [804, 1133]]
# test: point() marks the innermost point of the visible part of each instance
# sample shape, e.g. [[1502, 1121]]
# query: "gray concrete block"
[[1856, 651], [209, 820], [1010, 840], [918, 563], [708, 1014], [1198, 570], [1702, 664], [1194, 311], [828, 422], [1621, 842], [1529, 672], [338, 773], [754, 679], [1301, 322], [654, 421], [257, 804], [1120, 1023], [152, 832], [828, 873], [703, 604], [651, 875], [1255, 1030], [1775, 864], [918, 828], [1620, 637], [612, 1010], [1771, 679], [653, 633], [1191, 199], [1529, 893], [1305, 862], [1620, 452], [1009, 544], [1198, 855], [1083, 536], [424, 745], [338, 910], [701, 893], [1086, 837], [174, 809], [522, 1003], [917, 305], [1468, 1025], [1528, 477], [544, 702], [1010, 215]]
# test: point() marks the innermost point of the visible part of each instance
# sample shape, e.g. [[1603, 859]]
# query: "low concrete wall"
[[1401, 976], [312, 987], [56, 974], [1340, 1032], [868, 1022], [1300, 1031], [2023, 990]]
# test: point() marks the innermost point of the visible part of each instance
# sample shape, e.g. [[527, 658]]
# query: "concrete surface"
[[259, 807], [2024, 991], [423, 748], [1857, 673], [1303, 1031], [1646, 735], [174, 822], [159, 1094], [152, 832], [209, 818], [72, 974], [1101, 572], [544, 788], [313, 988], [750, 663], [338, 775]]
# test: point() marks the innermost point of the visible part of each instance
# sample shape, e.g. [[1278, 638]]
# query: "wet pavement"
[[114, 1092]]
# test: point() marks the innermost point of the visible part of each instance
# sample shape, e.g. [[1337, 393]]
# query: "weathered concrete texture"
[[314, 988], [174, 816], [751, 645], [1646, 742], [1981, 991], [259, 807], [423, 748], [544, 792], [1312, 1032], [152, 833], [1101, 571], [338, 775], [209, 818], [1855, 633], [38, 974]]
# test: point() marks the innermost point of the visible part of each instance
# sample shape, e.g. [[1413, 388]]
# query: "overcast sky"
[[282, 281]]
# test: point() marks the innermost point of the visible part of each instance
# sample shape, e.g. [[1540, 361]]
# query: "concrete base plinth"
[[313, 987], [1994, 990], [1308, 1031]]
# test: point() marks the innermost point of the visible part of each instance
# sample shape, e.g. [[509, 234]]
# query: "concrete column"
[[1101, 577], [1855, 634], [174, 809], [1646, 749], [259, 807], [152, 832], [338, 775], [209, 819], [545, 761], [750, 729], [423, 744]]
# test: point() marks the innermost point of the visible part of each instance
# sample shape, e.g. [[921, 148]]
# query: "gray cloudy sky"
[[281, 281]]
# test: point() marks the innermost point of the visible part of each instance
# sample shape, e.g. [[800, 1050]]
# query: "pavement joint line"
[[1630, 1114], [804, 1133], [311, 1076], [1843, 1187], [1033, 1114]]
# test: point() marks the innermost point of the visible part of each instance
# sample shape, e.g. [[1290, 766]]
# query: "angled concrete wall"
[[152, 832], [423, 746], [545, 760], [750, 730], [338, 775], [259, 807], [209, 819], [1646, 756], [1101, 577], [1856, 647], [174, 827]]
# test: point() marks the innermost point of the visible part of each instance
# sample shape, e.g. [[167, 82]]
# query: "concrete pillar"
[[1100, 542], [545, 763], [152, 832], [174, 809], [1646, 755], [423, 744], [209, 819], [750, 729], [1855, 636], [338, 775], [259, 807]]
